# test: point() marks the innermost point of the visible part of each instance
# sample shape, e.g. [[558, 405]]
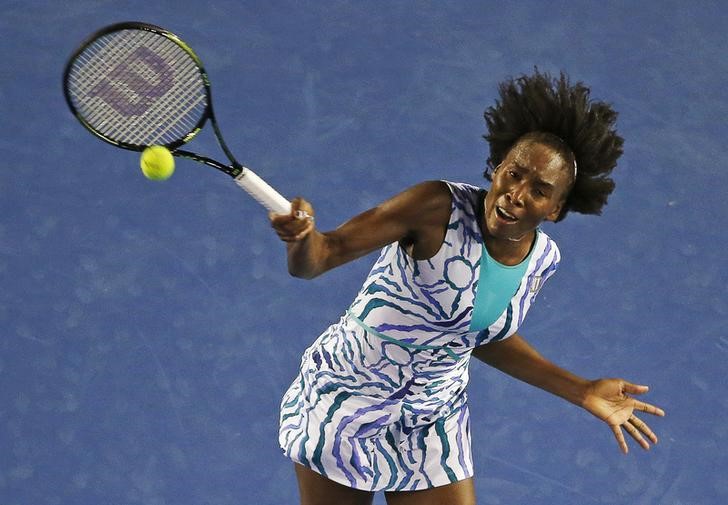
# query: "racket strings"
[[138, 87], [160, 112]]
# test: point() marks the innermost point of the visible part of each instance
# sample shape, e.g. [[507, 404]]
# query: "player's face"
[[528, 187]]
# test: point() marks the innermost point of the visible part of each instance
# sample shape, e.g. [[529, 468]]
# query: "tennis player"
[[380, 401]]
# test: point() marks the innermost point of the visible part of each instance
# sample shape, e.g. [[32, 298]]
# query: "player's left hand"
[[610, 400]]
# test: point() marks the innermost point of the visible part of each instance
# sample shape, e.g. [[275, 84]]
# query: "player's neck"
[[509, 251]]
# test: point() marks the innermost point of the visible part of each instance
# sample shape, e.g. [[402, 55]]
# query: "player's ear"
[[556, 212]]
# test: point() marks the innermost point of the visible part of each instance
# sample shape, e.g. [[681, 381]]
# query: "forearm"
[[515, 357], [421, 211], [320, 252]]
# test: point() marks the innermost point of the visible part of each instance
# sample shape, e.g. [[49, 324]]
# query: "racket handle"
[[263, 192]]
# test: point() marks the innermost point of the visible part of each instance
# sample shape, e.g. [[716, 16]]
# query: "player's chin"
[[506, 231]]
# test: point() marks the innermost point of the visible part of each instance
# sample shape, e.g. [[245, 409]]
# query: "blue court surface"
[[150, 329]]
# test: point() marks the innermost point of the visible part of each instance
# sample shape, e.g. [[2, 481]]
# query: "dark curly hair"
[[561, 115]]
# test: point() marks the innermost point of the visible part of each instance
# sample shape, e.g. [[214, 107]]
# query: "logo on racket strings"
[[134, 85]]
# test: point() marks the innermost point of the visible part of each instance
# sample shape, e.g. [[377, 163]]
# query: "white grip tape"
[[263, 192]]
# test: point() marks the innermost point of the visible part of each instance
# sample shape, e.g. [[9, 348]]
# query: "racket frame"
[[235, 169], [244, 177]]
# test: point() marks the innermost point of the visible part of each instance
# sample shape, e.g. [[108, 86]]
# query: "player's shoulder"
[[462, 189], [428, 194], [447, 190], [466, 197]]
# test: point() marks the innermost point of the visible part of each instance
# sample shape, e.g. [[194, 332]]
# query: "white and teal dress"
[[380, 402]]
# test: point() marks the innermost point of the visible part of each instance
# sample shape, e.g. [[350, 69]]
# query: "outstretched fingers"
[[613, 401], [638, 430], [638, 389], [617, 430], [642, 428], [635, 389], [648, 408]]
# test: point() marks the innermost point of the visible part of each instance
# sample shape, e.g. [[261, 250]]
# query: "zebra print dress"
[[380, 402]]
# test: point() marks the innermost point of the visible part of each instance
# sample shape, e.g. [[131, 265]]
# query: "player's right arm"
[[417, 218]]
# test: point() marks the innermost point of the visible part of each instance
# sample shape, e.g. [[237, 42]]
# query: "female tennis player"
[[380, 401]]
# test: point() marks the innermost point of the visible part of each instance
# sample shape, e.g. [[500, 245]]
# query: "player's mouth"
[[504, 215]]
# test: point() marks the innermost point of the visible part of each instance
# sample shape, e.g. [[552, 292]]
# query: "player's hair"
[[561, 115]]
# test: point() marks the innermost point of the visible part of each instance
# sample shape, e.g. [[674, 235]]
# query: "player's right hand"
[[297, 225]]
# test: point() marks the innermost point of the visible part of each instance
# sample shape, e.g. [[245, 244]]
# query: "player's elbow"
[[318, 257], [304, 269], [300, 273]]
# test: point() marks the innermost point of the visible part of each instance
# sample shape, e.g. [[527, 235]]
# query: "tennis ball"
[[157, 163]]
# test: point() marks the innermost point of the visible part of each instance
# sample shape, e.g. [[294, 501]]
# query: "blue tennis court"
[[150, 329]]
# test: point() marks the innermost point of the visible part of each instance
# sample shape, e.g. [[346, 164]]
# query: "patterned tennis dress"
[[380, 402]]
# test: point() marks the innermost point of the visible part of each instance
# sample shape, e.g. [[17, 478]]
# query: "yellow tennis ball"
[[157, 163]]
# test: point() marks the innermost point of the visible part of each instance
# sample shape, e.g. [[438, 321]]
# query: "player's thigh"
[[315, 489], [457, 493]]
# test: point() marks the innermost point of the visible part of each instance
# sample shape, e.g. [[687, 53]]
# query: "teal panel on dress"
[[496, 286]]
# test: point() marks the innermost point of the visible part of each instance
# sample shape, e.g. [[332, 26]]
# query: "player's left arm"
[[607, 399]]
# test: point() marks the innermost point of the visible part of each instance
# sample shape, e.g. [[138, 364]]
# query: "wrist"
[[582, 392], [573, 388]]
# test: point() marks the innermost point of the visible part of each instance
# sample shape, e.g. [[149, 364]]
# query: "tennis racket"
[[135, 85]]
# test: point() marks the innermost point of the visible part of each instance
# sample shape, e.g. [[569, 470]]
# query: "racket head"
[[134, 84]]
